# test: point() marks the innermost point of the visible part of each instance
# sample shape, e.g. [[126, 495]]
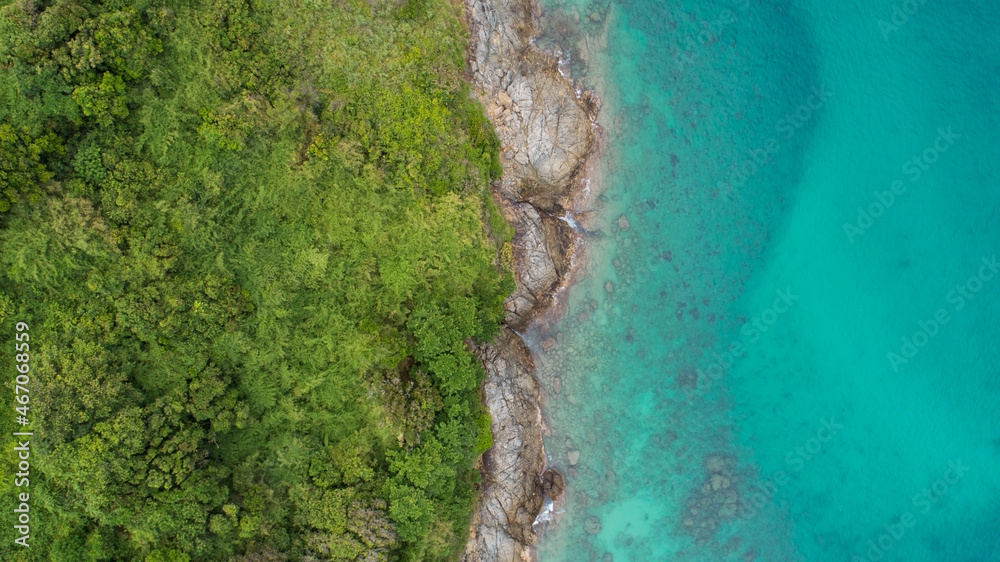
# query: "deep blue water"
[[796, 358]]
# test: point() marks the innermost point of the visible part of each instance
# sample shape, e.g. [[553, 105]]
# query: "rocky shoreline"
[[548, 132]]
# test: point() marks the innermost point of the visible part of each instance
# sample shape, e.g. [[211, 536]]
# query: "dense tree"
[[253, 241]]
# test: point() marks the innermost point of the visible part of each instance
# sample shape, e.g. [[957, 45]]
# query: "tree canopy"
[[253, 242]]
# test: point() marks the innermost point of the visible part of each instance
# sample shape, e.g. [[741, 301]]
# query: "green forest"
[[254, 244]]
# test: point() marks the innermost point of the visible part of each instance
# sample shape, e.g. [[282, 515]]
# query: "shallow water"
[[773, 374]]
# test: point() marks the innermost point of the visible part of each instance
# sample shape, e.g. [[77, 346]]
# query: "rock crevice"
[[547, 131]]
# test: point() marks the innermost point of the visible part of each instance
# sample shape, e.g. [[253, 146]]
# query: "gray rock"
[[512, 490], [553, 484], [547, 133]]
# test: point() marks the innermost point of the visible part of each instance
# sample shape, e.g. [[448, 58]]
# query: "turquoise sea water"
[[772, 373]]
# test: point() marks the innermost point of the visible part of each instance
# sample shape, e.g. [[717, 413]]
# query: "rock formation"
[[547, 132]]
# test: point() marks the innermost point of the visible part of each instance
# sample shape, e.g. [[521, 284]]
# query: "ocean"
[[783, 345]]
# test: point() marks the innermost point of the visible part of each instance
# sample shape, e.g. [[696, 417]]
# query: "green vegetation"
[[250, 239]]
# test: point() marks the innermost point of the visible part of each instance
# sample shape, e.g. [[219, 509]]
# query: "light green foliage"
[[253, 241], [484, 440]]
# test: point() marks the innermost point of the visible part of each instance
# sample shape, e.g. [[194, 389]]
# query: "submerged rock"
[[592, 525], [719, 482], [573, 456], [728, 511], [714, 501], [715, 463]]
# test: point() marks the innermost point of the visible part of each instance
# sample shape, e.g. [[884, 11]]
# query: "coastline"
[[548, 135]]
